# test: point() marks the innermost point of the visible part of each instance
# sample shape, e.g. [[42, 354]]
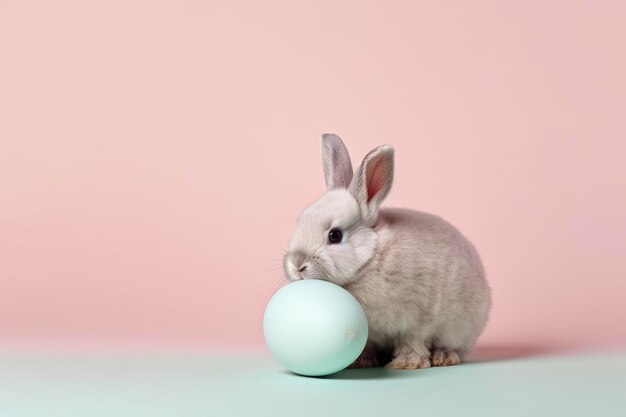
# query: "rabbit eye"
[[335, 236]]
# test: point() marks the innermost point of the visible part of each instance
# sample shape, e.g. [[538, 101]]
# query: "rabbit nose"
[[299, 260]]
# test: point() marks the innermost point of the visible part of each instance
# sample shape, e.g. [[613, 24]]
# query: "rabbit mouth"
[[309, 273], [315, 271], [304, 270]]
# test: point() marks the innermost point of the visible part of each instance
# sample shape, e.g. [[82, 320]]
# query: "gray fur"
[[420, 281]]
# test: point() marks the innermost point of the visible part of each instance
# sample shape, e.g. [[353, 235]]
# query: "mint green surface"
[[314, 327], [210, 385]]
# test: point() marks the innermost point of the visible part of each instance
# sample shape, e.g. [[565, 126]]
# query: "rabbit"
[[420, 281]]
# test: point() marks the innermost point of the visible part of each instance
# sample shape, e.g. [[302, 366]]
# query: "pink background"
[[155, 155]]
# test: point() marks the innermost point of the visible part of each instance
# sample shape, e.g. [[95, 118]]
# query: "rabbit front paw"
[[410, 358], [409, 362]]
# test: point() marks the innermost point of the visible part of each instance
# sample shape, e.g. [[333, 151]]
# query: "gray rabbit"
[[420, 281]]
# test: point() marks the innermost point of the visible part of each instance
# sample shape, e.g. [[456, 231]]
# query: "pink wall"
[[154, 156]]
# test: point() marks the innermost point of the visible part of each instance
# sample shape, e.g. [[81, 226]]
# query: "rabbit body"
[[424, 291]]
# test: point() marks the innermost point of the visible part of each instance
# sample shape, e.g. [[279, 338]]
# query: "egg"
[[314, 327]]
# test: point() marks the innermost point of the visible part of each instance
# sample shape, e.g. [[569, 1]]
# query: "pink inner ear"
[[375, 176]]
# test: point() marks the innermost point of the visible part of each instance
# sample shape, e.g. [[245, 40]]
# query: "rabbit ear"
[[372, 180], [336, 161]]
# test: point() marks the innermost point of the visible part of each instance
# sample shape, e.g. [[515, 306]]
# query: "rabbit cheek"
[[341, 263]]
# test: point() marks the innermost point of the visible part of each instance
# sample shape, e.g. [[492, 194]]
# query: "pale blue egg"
[[314, 327]]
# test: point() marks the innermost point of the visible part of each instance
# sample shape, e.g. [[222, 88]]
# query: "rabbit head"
[[334, 236]]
